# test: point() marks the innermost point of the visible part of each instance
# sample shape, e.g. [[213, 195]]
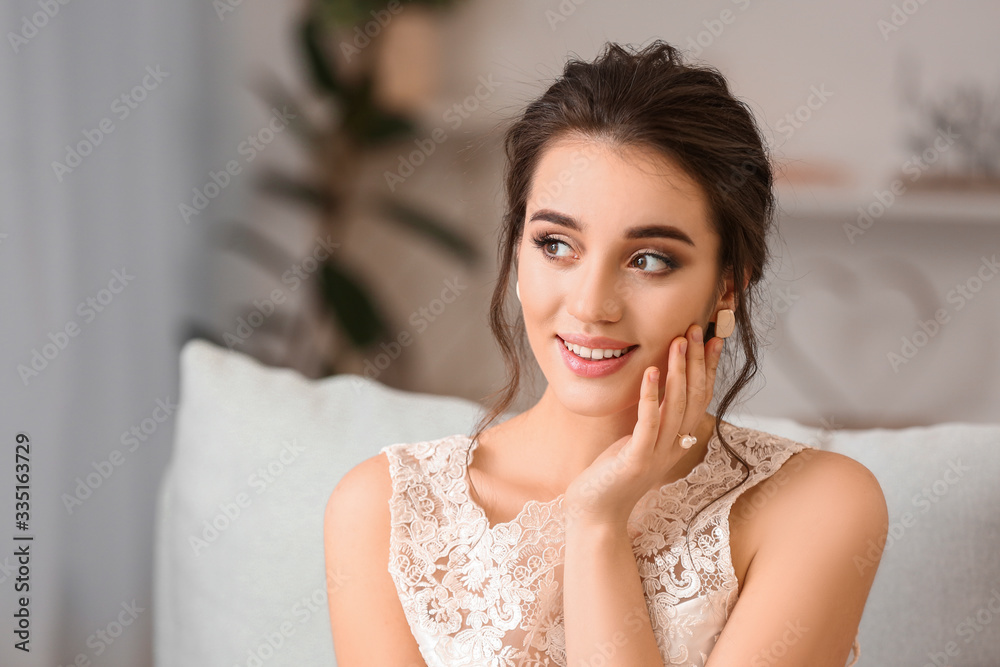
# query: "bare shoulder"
[[369, 480], [824, 489], [819, 523], [812, 488], [367, 620], [356, 519], [824, 475]]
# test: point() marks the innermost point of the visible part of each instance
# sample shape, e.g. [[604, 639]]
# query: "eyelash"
[[542, 240]]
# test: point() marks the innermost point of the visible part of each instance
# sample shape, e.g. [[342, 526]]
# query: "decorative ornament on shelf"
[[953, 133]]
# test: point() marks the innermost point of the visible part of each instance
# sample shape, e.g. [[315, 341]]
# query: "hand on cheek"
[[607, 491]]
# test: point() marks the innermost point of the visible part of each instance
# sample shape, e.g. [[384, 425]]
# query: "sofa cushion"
[[239, 572]]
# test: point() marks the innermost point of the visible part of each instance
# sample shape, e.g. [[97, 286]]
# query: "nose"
[[595, 294]]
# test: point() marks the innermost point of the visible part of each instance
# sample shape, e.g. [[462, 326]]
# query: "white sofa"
[[239, 569]]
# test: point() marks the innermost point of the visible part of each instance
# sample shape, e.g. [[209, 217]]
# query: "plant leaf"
[[410, 218], [382, 127], [354, 309], [322, 73], [369, 124], [288, 187], [356, 12]]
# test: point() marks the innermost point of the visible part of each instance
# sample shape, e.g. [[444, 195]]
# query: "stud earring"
[[725, 323], [517, 290]]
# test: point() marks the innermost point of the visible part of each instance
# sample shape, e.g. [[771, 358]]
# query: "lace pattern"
[[477, 595]]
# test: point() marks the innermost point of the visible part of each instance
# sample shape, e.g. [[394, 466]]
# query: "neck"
[[563, 443]]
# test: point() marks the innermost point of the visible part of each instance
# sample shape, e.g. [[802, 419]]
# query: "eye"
[[666, 262], [545, 242]]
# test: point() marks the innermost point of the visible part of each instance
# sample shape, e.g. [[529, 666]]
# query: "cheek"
[[539, 309], [666, 318], [541, 290]]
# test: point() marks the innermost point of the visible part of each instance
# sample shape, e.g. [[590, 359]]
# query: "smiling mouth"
[[595, 354]]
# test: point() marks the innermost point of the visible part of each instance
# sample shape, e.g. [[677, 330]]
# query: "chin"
[[589, 399]]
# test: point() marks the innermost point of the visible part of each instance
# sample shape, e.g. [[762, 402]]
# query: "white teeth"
[[595, 354]]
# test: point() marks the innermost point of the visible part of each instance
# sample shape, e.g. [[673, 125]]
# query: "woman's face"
[[603, 254]]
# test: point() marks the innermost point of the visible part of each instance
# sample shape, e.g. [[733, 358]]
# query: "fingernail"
[[696, 335], [654, 375], [684, 346]]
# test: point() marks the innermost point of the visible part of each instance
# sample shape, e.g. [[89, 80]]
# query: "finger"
[[712, 363], [675, 393], [696, 379], [648, 423]]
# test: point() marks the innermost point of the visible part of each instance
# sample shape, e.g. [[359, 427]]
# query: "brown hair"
[[651, 99]]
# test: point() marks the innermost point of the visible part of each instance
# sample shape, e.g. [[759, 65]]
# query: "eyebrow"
[[642, 232]]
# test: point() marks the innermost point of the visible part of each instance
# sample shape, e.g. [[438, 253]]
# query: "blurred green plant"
[[355, 125]]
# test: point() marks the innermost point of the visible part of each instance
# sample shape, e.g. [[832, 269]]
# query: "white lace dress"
[[477, 596]]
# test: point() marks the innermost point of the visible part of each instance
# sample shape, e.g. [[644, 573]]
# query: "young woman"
[[615, 522]]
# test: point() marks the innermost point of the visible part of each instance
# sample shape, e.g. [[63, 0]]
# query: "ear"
[[727, 295]]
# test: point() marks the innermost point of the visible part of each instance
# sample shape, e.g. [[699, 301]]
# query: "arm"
[[806, 587], [605, 613], [367, 621]]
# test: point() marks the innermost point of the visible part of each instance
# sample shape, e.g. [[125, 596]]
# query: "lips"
[[594, 342], [594, 368]]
